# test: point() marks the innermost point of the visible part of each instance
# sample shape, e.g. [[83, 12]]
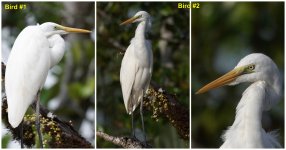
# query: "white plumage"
[[261, 95], [137, 64], [26, 71], [36, 49]]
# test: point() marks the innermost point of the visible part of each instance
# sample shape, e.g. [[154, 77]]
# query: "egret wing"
[[140, 85], [127, 74], [149, 47], [26, 71]]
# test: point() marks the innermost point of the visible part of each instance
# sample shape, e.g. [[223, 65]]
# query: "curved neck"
[[249, 109], [248, 116], [141, 29], [57, 47]]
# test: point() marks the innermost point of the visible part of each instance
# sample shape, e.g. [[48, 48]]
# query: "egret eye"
[[251, 67]]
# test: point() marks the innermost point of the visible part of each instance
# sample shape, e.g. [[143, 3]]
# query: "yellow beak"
[[223, 80], [74, 30], [129, 20]]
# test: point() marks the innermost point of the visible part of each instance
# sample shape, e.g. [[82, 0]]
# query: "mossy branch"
[[163, 104], [56, 133]]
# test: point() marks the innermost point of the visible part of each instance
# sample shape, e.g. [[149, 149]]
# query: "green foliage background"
[[171, 67], [222, 34], [74, 75]]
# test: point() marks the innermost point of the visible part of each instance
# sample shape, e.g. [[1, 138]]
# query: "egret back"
[[26, 71]]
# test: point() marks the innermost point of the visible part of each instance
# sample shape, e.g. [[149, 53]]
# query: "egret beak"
[[74, 30], [223, 80], [131, 20]]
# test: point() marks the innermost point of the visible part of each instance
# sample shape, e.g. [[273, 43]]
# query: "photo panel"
[[247, 39], [151, 47], [46, 61]]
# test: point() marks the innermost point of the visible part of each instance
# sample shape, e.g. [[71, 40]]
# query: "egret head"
[[252, 68], [138, 17], [52, 28]]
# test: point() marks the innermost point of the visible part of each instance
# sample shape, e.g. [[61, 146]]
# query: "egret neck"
[[57, 46], [248, 117], [140, 43], [141, 30]]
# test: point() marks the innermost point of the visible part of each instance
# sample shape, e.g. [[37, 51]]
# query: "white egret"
[[136, 66], [36, 49], [261, 95]]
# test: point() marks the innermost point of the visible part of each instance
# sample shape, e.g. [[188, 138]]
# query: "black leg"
[[132, 122], [132, 125], [142, 120], [21, 134], [38, 125]]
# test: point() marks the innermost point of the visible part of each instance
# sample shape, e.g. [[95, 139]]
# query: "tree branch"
[[124, 142], [161, 104], [166, 105], [56, 133]]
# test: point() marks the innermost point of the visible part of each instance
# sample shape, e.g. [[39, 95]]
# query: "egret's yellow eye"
[[251, 67]]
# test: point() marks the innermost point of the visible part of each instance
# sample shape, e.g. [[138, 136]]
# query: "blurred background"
[[222, 34], [69, 88], [170, 45]]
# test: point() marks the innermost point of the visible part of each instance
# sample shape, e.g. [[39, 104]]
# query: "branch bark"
[[56, 133], [124, 142]]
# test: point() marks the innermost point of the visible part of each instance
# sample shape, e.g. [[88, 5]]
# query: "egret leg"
[[142, 120], [132, 123], [132, 126], [38, 125], [21, 134]]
